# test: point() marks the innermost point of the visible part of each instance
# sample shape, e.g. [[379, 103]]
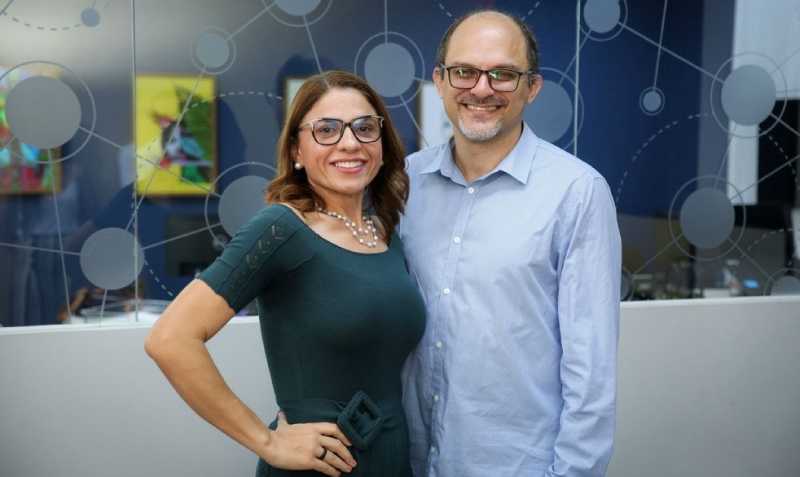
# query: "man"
[[515, 246]]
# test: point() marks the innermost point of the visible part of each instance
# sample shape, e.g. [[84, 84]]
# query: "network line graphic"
[[45, 112]]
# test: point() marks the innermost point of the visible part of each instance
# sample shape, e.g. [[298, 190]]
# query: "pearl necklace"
[[362, 234]]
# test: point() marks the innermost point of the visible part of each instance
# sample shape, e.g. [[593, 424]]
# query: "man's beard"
[[483, 134]]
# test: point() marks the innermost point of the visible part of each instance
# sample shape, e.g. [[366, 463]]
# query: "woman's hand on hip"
[[320, 446]]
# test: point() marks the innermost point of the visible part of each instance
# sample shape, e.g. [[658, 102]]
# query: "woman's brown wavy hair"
[[387, 193]]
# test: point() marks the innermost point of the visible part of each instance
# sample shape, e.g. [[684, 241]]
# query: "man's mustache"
[[489, 101]]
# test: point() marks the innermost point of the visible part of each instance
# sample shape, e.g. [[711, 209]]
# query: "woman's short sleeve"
[[259, 252]]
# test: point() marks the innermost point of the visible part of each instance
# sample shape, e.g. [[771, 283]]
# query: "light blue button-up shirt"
[[520, 271]]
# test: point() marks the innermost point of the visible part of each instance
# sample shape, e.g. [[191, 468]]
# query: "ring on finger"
[[324, 453]]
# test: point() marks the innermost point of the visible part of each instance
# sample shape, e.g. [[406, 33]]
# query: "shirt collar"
[[517, 163], [435, 164]]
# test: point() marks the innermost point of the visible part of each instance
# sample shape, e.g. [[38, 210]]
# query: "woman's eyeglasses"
[[329, 131]]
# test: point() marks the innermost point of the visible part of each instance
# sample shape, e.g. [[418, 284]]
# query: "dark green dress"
[[337, 326]]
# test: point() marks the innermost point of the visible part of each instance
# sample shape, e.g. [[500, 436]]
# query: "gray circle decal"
[[748, 95], [707, 218], [240, 201], [90, 17], [43, 112], [602, 15], [212, 49], [652, 101], [550, 114], [390, 69], [297, 8], [107, 258]]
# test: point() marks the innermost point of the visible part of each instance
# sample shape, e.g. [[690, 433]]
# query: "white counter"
[[706, 387]]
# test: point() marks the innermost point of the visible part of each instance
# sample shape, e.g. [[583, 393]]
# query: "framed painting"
[[24, 168], [290, 87], [175, 135]]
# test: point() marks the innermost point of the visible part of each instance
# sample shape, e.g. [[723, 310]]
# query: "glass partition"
[[138, 135]]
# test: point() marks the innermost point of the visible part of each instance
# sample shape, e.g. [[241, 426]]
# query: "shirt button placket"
[[446, 309]]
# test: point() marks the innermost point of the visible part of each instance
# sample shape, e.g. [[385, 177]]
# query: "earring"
[[298, 166]]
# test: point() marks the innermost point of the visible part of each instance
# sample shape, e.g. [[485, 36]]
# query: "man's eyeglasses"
[[504, 80], [329, 131]]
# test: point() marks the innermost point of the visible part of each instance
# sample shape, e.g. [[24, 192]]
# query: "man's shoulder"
[[568, 167], [421, 159]]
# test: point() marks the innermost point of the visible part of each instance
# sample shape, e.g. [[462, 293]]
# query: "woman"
[[338, 311]]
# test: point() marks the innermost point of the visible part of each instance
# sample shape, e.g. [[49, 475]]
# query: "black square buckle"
[[361, 420]]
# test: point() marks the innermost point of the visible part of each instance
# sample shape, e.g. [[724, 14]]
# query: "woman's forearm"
[[189, 368]]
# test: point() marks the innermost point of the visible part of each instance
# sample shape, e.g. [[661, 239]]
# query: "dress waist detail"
[[361, 419]]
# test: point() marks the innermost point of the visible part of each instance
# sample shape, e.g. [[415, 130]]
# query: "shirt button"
[[436, 398], [471, 190], [434, 450], [438, 344], [457, 239], [446, 291]]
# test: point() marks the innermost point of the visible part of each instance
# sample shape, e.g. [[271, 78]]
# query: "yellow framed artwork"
[[175, 158]]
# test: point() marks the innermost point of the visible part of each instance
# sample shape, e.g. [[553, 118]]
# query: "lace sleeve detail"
[[253, 258]]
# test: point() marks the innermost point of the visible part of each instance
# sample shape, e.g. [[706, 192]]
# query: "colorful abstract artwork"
[[24, 169], [176, 135]]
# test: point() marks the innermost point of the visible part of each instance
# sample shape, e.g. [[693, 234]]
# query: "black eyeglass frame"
[[442, 67], [345, 125]]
